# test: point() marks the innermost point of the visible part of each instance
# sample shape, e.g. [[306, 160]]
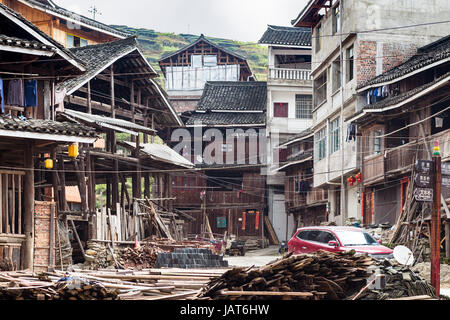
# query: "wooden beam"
[[113, 97], [28, 219]]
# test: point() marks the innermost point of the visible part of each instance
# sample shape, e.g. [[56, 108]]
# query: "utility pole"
[[94, 10], [436, 222]]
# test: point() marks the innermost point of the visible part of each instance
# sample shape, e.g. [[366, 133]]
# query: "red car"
[[337, 239]]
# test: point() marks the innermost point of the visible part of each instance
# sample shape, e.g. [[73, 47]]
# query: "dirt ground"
[[257, 258], [424, 270]]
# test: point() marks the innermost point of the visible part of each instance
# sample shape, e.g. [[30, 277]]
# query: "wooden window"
[[303, 106], [336, 75], [281, 110], [336, 19], [320, 89], [283, 155], [320, 139], [73, 41], [350, 64], [335, 134]]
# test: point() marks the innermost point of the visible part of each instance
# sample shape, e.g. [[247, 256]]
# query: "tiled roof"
[[231, 103], [97, 58], [51, 7], [226, 118], [234, 96], [299, 136], [425, 56], [393, 100], [287, 36], [22, 43], [61, 50], [45, 126]]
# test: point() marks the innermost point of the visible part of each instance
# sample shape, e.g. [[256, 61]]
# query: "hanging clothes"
[[15, 93], [31, 92], [2, 96], [351, 132], [385, 91]]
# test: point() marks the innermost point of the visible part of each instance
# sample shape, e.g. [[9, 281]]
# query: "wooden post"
[[133, 107], [447, 238], [28, 214], [51, 256], [436, 223], [113, 98], [89, 102]]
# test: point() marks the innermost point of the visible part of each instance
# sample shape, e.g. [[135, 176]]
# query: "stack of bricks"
[[42, 236]]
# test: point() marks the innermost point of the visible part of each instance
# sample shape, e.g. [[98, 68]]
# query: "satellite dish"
[[403, 256]]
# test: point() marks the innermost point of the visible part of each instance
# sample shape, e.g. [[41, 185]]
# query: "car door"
[[301, 244], [325, 238]]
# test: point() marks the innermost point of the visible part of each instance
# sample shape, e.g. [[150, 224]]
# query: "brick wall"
[[366, 64], [396, 53], [42, 235], [391, 55]]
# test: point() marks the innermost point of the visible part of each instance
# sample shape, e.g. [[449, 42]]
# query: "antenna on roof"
[[94, 10]]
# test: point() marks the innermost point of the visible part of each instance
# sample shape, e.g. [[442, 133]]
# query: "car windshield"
[[356, 238]]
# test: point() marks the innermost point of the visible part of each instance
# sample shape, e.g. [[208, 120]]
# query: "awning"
[[163, 153], [292, 163]]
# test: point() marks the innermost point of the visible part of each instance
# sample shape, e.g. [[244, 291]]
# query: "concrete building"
[[289, 110], [353, 42]]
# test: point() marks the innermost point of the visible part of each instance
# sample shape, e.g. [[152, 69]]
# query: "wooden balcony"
[[289, 74], [401, 159], [313, 197]]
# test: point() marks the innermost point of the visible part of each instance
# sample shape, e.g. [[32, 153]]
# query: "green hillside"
[[155, 44]]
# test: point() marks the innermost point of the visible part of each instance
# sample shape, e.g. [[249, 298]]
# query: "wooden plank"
[[13, 204], [272, 234], [266, 293], [19, 202], [415, 298], [1, 204], [51, 256], [111, 228], [6, 182], [77, 237]]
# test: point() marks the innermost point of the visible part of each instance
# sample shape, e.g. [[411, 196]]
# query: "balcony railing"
[[402, 158], [11, 202], [289, 74]]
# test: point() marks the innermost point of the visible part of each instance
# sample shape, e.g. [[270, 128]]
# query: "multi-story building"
[[353, 42], [187, 70], [289, 109]]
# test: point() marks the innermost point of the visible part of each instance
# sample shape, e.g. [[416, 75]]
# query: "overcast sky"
[[244, 20]]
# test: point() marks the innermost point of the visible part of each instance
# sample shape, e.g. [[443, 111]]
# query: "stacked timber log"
[[139, 258], [148, 284], [323, 275], [170, 245]]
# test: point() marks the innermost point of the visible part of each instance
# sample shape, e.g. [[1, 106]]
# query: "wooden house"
[[405, 113], [30, 64], [306, 205], [66, 27], [187, 70], [229, 190]]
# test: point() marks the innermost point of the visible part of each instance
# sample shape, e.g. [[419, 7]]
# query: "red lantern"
[[351, 181], [359, 177]]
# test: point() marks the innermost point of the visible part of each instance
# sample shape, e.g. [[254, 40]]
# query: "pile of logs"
[[324, 275], [170, 245], [139, 258], [42, 288], [148, 284]]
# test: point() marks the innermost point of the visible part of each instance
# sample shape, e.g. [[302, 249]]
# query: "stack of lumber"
[[323, 275], [401, 282], [139, 258], [148, 284], [44, 289]]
